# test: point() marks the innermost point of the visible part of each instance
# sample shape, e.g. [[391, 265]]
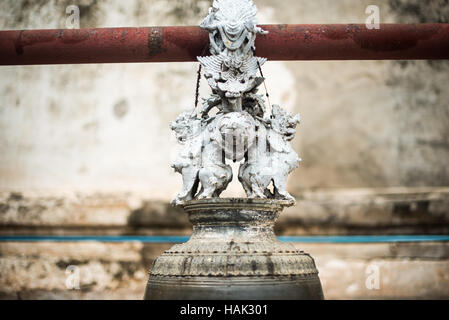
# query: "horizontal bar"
[[180, 239], [182, 44]]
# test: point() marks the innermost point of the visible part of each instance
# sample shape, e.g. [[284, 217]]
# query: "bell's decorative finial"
[[233, 252], [241, 129]]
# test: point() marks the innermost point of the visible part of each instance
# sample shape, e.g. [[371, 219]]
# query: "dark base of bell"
[[260, 288]]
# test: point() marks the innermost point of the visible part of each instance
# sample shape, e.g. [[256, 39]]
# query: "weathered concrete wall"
[[105, 127], [119, 271]]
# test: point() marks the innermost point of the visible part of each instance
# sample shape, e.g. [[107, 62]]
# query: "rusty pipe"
[[181, 44]]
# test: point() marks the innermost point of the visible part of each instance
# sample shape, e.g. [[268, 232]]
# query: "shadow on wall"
[[158, 215]]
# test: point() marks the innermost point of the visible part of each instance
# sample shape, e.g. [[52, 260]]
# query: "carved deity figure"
[[239, 130]]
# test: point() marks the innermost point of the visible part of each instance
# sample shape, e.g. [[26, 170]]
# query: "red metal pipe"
[[179, 44]]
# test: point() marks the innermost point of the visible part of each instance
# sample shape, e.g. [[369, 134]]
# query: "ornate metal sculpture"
[[233, 252], [241, 128]]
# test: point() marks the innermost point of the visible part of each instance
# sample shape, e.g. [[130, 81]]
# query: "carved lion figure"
[[187, 128], [215, 174], [272, 158], [200, 160]]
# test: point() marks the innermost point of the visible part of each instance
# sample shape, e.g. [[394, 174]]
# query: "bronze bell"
[[233, 254]]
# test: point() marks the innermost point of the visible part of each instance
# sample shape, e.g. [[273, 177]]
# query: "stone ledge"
[[346, 211], [371, 208], [390, 251], [120, 271]]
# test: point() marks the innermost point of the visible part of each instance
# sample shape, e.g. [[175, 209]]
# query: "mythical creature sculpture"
[[240, 130], [200, 159], [188, 163], [214, 174], [232, 26], [273, 159]]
